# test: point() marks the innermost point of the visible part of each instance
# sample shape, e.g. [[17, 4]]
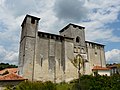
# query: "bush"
[[28, 85], [87, 82], [49, 86], [9, 87]]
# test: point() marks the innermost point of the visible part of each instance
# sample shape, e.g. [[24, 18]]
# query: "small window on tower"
[[32, 20], [95, 53], [82, 50], [77, 39]]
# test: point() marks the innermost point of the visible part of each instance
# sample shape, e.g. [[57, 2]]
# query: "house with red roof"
[[10, 78], [98, 70], [9, 70]]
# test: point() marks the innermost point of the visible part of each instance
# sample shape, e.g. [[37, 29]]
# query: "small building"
[[11, 79], [115, 69], [8, 70], [98, 70]]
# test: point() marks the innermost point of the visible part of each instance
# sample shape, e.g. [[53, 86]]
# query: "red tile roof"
[[100, 68], [11, 76], [10, 70]]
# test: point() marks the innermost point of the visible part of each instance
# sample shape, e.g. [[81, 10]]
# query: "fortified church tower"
[[50, 57]]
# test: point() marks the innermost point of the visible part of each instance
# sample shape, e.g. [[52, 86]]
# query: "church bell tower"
[[27, 46]]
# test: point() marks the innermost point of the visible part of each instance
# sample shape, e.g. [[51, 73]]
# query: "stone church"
[[49, 57]]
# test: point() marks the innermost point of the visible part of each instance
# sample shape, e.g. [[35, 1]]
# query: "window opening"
[[33, 21], [77, 39], [82, 50]]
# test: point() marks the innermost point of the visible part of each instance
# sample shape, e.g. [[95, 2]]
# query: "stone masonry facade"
[[49, 57]]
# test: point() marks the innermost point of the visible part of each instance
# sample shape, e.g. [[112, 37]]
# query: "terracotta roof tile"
[[11, 76], [10, 70], [100, 68]]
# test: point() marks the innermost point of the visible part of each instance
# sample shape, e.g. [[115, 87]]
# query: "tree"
[[7, 65]]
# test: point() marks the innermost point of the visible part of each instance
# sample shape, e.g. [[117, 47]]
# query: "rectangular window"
[[32, 20]]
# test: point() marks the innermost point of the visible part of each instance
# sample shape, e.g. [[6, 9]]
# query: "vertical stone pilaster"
[[51, 59]]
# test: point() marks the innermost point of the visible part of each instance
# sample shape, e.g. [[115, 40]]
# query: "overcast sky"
[[101, 18]]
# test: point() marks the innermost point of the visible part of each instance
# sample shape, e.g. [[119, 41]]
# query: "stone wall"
[[53, 60], [71, 72], [96, 56], [48, 60]]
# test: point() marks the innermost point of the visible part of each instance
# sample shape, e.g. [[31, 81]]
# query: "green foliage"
[[7, 65], [98, 83], [27, 85], [63, 86], [49, 86], [9, 87], [86, 82]]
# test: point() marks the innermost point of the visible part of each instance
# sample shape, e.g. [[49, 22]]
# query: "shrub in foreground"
[[27, 85], [86, 82]]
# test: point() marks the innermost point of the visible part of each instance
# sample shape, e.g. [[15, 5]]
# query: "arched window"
[[77, 39], [82, 50]]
